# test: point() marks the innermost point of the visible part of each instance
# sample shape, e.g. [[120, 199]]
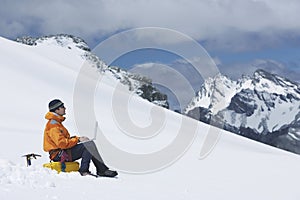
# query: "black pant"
[[87, 151]]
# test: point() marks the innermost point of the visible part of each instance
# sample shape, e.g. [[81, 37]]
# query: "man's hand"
[[83, 138]]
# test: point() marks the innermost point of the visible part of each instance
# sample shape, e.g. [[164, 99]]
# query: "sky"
[[239, 35]]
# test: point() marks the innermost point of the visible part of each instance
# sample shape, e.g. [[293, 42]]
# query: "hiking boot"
[[85, 173], [107, 173]]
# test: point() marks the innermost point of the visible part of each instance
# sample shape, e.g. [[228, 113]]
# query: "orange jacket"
[[56, 136]]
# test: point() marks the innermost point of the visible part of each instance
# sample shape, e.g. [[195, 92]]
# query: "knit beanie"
[[55, 104]]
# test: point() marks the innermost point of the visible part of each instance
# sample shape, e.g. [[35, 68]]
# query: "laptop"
[[95, 135]]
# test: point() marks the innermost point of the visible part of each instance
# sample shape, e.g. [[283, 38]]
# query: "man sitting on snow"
[[62, 147]]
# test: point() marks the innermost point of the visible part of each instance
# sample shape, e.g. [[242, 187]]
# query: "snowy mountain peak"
[[259, 107], [214, 94], [63, 40], [265, 81]]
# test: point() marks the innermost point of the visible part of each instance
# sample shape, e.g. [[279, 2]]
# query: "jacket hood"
[[54, 116]]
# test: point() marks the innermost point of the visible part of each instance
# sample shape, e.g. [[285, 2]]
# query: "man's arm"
[[60, 140]]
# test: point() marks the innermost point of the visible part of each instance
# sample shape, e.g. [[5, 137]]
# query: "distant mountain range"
[[264, 107]]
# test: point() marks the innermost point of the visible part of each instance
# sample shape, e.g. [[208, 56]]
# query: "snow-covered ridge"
[[138, 84], [66, 41], [63, 40], [272, 83], [262, 107]]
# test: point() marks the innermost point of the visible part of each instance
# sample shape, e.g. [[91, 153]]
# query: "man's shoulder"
[[53, 121], [53, 124]]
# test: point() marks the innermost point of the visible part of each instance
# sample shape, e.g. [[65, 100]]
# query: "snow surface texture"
[[237, 168], [264, 107]]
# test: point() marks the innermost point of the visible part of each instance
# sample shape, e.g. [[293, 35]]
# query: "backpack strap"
[[53, 153], [65, 156]]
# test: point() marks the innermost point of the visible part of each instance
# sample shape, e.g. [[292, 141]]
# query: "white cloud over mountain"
[[235, 71], [229, 24]]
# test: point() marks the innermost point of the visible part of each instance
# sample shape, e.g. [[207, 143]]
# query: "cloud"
[[181, 78], [171, 81], [221, 24], [235, 71]]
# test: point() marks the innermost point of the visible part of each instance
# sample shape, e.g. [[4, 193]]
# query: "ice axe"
[[29, 157]]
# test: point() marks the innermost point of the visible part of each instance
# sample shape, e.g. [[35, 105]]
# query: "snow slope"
[[30, 77]]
